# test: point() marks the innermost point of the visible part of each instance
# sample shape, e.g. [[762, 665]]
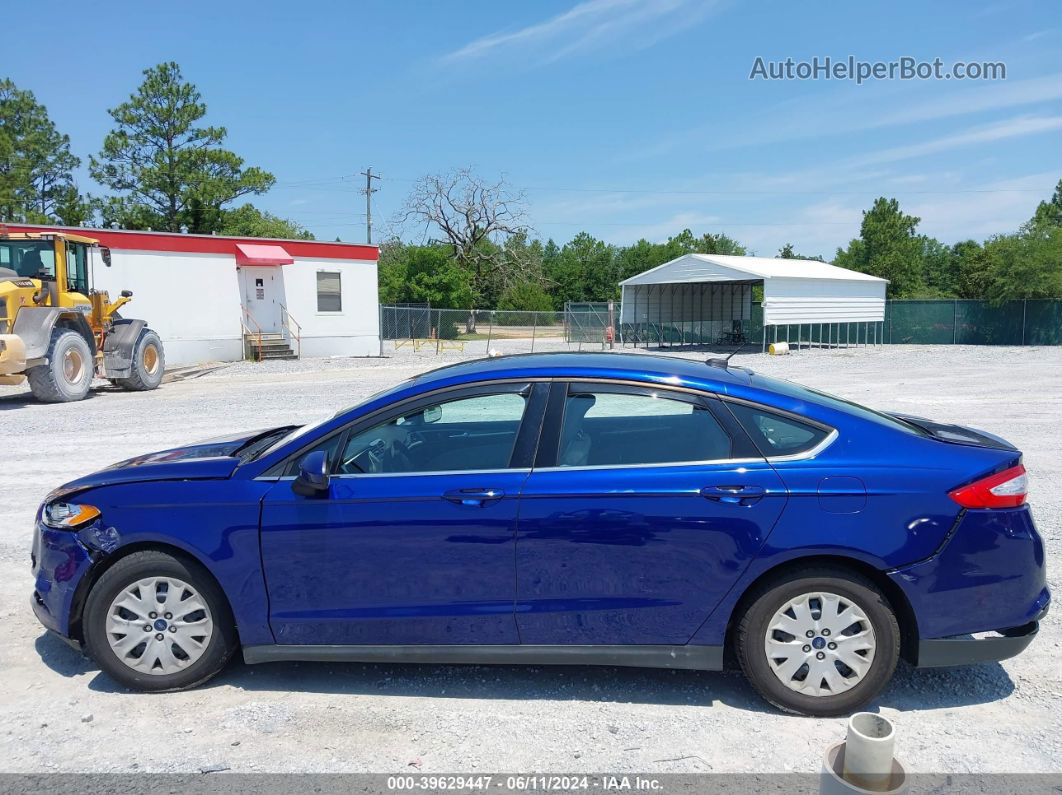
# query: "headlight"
[[68, 515]]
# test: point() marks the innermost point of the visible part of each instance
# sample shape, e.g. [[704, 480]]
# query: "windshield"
[[303, 430], [30, 258], [801, 392]]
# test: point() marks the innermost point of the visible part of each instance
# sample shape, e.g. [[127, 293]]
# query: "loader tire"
[[148, 365], [68, 374]]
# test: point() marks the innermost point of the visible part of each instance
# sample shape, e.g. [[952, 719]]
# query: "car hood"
[[209, 459]]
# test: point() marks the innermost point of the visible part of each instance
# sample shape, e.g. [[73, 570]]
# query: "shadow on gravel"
[[910, 689], [23, 399], [17, 401]]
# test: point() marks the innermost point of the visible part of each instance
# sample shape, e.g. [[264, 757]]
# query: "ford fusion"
[[601, 509]]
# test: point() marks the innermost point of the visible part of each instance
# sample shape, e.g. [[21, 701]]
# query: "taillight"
[[1006, 489]]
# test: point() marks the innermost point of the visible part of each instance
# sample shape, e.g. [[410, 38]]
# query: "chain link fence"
[[593, 326], [474, 331]]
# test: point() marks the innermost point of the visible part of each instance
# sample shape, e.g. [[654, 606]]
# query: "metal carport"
[[701, 299]]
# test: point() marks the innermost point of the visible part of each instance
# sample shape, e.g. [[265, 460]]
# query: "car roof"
[[636, 366]]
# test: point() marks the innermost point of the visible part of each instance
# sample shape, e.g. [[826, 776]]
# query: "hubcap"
[[151, 359], [820, 667], [181, 637], [73, 366]]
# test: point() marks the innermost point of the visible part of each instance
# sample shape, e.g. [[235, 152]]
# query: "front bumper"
[[12, 358], [60, 560]]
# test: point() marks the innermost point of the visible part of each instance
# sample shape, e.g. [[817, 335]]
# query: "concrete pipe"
[[864, 762], [778, 348]]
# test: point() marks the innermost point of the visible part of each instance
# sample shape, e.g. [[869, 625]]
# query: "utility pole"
[[369, 190]]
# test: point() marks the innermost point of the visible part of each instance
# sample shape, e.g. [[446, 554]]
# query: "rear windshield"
[[800, 392]]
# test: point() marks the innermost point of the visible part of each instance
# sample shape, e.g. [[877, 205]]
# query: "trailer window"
[[329, 294]]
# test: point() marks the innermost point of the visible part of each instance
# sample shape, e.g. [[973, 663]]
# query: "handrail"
[[247, 330], [286, 318]]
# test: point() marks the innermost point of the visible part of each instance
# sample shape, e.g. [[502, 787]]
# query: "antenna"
[[725, 363]]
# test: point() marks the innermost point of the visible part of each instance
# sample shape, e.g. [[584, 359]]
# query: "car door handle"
[[473, 496], [734, 495]]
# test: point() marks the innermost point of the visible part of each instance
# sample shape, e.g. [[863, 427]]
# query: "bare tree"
[[476, 218]]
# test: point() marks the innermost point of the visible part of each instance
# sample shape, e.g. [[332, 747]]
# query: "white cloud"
[[592, 25], [868, 107], [1009, 128]]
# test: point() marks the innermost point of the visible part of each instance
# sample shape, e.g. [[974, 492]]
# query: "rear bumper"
[[942, 652], [1001, 645], [989, 578]]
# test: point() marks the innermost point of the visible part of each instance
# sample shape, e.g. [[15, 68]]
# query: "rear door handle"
[[734, 495], [473, 497]]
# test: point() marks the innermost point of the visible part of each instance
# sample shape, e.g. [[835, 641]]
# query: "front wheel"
[[68, 374], [148, 365], [157, 622], [818, 641]]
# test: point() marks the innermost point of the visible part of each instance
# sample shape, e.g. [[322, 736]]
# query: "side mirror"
[[105, 253], [432, 414], [313, 479]]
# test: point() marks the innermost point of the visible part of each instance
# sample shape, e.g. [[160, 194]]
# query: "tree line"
[[469, 261], [164, 169]]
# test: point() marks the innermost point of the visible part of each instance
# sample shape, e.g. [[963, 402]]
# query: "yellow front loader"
[[56, 331]]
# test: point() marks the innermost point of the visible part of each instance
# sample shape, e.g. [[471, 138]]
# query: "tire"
[[148, 365], [789, 602], [144, 653], [68, 374]]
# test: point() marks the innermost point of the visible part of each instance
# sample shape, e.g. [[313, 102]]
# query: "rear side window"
[[777, 434], [607, 428]]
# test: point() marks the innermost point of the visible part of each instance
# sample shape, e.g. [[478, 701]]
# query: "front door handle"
[[734, 495], [473, 496]]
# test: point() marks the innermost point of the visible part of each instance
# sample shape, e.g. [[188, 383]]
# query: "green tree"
[[888, 247], [1049, 213], [36, 164], [1025, 265], [249, 221], [583, 270], [167, 171], [939, 275], [788, 252], [422, 275], [526, 297]]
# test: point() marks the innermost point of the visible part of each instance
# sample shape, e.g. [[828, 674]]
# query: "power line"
[[758, 192]]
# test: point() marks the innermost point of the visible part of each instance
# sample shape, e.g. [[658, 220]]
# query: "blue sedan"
[[601, 509]]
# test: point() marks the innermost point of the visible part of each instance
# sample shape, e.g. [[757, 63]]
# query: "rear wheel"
[[819, 641], [157, 622], [148, 365], [68, 374]]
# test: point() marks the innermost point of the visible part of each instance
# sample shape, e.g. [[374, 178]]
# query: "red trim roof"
[[258, 254], [123, 240]]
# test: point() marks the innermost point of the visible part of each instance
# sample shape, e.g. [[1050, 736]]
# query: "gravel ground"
[[58, 713]]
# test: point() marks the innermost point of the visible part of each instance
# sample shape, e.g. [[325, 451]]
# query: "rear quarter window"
[[777, 434]]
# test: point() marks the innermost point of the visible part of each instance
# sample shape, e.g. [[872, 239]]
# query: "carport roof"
[[725, 268]]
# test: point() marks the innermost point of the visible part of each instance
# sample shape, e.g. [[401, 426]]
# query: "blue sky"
[[623, 118]]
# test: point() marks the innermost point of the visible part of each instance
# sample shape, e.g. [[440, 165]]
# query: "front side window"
[[608, 428], [77, 268], [775, 434], [458, 435], [33, 259], [329, 292]]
